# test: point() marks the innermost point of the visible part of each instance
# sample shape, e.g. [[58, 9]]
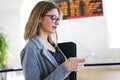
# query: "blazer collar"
[[45, 52]]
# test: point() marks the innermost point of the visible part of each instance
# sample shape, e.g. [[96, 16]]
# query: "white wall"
[[91, 31], [112, 13]]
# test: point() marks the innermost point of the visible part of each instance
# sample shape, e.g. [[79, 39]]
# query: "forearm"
[[60, 73]]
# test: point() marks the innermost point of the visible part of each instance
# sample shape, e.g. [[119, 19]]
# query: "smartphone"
[[91, 54]]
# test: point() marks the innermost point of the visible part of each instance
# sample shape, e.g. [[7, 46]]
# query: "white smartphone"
[[91, 54]]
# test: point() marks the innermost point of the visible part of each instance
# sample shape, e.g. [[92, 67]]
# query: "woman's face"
[[50, 21]]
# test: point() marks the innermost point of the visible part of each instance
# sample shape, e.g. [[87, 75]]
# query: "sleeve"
[[29, 63], [60, 73]]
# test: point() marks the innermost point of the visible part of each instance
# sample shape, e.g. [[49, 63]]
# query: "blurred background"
[[96, 33]]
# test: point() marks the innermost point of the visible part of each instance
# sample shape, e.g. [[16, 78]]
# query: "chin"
[[52, 32]]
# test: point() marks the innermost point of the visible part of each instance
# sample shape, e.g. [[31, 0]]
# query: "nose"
[[56, 22]]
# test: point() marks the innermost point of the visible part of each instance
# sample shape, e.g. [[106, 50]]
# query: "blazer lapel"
[[45, 52]]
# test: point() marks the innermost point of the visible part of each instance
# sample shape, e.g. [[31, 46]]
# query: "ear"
[[40, 20]]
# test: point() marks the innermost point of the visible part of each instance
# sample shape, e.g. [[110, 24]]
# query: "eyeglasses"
[[54, 18]]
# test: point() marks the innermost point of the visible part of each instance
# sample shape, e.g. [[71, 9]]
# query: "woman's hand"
[[74, 64]]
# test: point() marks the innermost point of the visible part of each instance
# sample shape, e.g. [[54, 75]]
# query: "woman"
[[41, 58]]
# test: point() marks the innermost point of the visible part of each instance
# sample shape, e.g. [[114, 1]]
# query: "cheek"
[[46, 22]]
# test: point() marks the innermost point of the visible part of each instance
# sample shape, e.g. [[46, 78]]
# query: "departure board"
[[80, 8]]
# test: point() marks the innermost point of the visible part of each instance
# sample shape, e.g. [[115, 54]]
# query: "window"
[[112, 14]]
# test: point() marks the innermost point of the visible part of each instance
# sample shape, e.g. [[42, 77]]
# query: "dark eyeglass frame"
[[54, 18]]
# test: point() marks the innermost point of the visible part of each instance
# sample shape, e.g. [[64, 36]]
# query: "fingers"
[[74, 64], [79, 67], [79, 64], [80, 60]]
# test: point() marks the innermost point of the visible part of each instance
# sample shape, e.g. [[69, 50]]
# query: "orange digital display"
[[80, 8]]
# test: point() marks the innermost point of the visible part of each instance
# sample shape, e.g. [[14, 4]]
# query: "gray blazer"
[[39, 64]]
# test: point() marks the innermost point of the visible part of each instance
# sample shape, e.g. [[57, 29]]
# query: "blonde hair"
[[32, 27]]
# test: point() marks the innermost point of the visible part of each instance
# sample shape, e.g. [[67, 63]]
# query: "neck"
[[43, 37]]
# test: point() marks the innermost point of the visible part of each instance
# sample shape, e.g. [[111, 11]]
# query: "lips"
[[54, 27]]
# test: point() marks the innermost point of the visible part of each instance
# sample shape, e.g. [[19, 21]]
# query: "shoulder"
[[32, 46], [34, 43]]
